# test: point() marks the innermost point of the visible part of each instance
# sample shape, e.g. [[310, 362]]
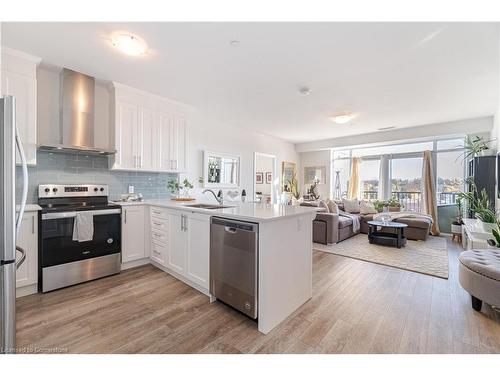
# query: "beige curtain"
[[353, 191], [429, 190]]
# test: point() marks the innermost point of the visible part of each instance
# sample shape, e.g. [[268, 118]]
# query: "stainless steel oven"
[[64, 261]]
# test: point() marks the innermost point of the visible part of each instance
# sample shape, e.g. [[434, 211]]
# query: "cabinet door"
[[27, 273], [148, 139], [133, 233], [23, 88], [181, 149], [165, 121], [126, 135], [198, 249], [176, 259]]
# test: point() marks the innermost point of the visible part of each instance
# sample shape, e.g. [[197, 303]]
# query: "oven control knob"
[[47, 190], [54, 190], [102, 189], [248, 306], [95, 189]]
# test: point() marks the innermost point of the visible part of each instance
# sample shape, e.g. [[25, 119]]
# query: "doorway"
[[265, 180]]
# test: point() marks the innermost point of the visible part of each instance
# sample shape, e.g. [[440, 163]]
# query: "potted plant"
[[477, 146], [479, 203], [390, 205], [496, 234], [456, 226], [294, 187], [174, 187]]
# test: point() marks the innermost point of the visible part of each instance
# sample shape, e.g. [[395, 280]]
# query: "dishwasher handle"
[[232, 226]]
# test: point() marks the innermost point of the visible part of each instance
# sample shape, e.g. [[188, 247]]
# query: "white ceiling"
[[390, 74]]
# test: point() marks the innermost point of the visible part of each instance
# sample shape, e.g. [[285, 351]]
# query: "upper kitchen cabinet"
[[150, 132], [19, 80]]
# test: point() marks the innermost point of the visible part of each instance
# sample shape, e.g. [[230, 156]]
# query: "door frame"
[[275, 183]]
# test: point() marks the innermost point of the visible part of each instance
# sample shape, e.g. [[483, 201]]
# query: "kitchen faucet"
[[219, 197]]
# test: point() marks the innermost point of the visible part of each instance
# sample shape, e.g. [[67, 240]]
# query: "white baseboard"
[[135, 263], [26, 290]]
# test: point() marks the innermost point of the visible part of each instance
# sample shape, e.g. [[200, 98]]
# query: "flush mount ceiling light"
[[343, 118], [129, 44], [234, 43]]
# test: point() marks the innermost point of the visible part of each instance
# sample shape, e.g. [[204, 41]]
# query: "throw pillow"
[[367, 207], [332, 206], [322, 204], [351, 205]]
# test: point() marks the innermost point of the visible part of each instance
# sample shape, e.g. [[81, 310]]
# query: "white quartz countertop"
[[30, 208], [256, 212]]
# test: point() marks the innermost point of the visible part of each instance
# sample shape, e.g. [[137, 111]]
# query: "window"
[[450, 144], [406, 182], [450, 176], [368, 175], [393, 149], [344, 168]]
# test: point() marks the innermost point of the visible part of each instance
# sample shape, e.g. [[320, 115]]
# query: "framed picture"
[[288, 174], [259, 177], [269, 177], [314, 173]]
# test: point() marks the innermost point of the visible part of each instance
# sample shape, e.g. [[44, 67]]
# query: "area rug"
[[428, 257]]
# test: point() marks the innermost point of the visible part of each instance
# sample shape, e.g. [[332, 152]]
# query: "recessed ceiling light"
[[129, 44], [304, 91], [343, 118], [234, 43]]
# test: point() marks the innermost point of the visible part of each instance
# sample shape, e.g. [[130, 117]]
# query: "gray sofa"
[[332, 228]]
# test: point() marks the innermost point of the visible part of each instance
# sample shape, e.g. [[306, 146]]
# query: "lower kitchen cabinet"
[[189, 246], [133, 233], [27, 273]]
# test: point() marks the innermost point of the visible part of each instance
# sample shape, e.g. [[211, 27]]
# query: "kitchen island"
[[284, 250]]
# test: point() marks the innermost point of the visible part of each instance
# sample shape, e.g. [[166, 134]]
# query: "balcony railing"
[[412, 200]]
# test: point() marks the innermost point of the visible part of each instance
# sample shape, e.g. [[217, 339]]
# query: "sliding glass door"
[[369, 178], [406, 181]]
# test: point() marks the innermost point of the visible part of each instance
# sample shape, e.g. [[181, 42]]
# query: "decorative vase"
[[456, 228]]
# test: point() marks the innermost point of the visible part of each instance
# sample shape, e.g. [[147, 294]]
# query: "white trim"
[[26, 290], [22, 55], [134, 263], [276, 179]]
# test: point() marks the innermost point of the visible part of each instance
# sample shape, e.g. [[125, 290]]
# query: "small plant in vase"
[[294, 187], [174, 187]]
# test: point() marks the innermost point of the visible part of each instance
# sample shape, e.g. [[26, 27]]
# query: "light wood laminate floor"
[[357, 307]]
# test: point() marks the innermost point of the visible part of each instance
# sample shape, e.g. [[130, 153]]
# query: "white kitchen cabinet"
[[189, 246], [176, 258], [159, 235], [150, 133], [126, 135], [133, 233], [27, 273], [198, 249], [147, 139], [19, 80]]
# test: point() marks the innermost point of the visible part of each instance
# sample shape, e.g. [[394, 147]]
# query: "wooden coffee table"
[[396, 238]]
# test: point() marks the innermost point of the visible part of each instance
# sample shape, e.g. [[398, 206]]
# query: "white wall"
[[316, 159], [210, 134], [459, 128]]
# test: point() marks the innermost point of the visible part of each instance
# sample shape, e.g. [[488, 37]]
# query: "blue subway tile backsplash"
[[57, 168]]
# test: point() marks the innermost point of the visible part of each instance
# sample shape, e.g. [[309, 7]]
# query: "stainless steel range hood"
[[76, 132]]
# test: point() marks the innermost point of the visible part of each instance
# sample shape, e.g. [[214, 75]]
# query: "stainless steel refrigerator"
[[9, 221]]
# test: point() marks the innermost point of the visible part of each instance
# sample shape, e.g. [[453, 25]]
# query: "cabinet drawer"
[[159, 212], [157, 235], [159, 224], [158, 252]]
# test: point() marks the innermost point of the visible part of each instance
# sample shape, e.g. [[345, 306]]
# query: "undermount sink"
[[207, 206]]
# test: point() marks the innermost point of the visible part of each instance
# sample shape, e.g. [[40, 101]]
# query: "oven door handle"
[[70, 214]]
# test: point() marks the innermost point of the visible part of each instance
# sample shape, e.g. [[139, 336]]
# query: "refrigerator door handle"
[[23, 257]]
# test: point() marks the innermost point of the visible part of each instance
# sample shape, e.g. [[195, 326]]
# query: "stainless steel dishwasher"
[[234, 252]]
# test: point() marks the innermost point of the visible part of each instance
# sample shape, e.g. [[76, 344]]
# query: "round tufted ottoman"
[[479, 274]]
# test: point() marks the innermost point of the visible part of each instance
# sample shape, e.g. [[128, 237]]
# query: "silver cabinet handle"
[[125, 216], [23, 257], [185, 224], [182, 223], [33, 224], [140, 161]]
